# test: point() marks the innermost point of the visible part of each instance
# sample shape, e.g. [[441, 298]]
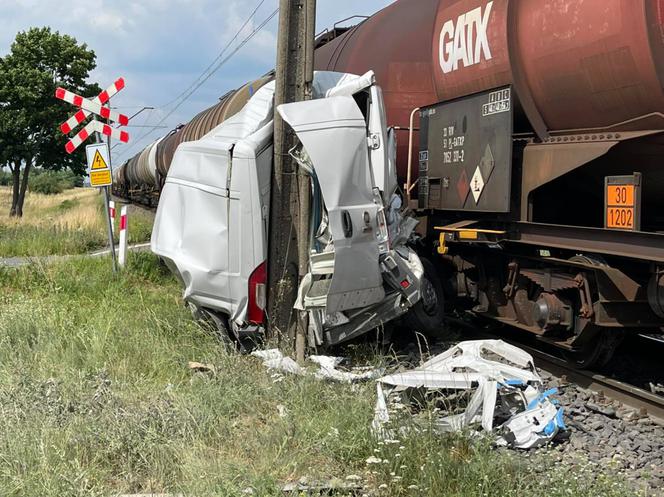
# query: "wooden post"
[[289, 204]]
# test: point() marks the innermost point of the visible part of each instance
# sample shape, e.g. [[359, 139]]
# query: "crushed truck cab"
[[212, 225]]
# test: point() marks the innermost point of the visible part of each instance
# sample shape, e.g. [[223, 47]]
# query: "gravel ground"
[[611, 436], [638, 361]]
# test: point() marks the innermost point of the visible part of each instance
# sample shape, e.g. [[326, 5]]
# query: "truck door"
[[334, 133], [380, 146]]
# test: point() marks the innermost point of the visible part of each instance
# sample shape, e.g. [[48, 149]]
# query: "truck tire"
[[216, 322], [427, 315]]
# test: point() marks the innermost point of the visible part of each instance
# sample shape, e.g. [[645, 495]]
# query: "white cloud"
[[161, 46]]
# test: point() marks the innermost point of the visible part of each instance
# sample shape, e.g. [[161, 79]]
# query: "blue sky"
[[160, 47]]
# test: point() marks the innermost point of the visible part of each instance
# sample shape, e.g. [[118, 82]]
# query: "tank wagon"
[[531, 143], [531, 147]]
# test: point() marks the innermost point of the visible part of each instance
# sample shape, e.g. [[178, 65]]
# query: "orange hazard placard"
[[620, 217], [619, 195], [622, 202]]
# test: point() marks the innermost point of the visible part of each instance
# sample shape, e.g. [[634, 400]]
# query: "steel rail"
[[647, 403], [631, 396]]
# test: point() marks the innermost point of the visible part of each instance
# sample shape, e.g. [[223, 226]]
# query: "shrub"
[[5, 178], [69, 179], [46, 183], [68, 204], [53, 182]]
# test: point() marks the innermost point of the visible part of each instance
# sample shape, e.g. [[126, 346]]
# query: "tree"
[[39, 61]]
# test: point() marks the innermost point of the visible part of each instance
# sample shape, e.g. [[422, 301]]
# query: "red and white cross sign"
[[100, 99], [92, 106], [90, 128]]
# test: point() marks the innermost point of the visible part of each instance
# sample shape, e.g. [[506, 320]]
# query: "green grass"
[[96, 399], [139, 224], [27, 241]]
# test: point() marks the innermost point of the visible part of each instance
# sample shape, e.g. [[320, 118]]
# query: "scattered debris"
[[481, 382], [328, 370], [200, 367], [281, 409], [306, 487], [656, 388], [274, 359]]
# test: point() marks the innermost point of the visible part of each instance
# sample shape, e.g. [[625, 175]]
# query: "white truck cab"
[[212, 226]]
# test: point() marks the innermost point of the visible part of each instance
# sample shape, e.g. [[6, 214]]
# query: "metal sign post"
[[99, 163], [107, 198]]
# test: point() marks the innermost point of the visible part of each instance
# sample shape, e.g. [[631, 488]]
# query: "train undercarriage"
[[545, 280]]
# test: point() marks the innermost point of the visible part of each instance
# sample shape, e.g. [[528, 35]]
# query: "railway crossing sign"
[[92, 106], [98, 156], [98, 164]]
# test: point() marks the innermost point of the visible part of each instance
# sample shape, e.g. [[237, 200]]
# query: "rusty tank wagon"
[[531, 145]]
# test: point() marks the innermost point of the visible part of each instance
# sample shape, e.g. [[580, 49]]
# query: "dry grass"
[[73, 209], [72, 222]]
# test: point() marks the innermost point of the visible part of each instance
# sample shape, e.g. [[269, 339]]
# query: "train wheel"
[[427, 315], [598, 353]]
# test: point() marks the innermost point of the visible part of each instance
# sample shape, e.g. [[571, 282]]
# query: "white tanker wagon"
[[211, 226]]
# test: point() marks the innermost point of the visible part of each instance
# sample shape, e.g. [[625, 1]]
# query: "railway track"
[[630, 395]]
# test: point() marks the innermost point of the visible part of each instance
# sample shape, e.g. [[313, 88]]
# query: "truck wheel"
[[426, 316], [216, 323]]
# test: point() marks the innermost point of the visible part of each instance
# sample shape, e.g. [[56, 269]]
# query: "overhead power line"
[[207, 74], [223, 61], [221, 54]]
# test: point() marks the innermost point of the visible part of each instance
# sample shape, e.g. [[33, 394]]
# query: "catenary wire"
[[223, 51], [188, 93]]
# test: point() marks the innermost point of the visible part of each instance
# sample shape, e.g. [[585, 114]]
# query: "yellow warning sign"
[[101, 178], [98, 162]]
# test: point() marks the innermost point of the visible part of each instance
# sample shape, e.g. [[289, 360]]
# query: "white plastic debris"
[[328, 370], [492, 384], [281, 409], [274, 359]]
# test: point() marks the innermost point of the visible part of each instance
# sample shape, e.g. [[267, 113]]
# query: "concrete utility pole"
[[289, 204]]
